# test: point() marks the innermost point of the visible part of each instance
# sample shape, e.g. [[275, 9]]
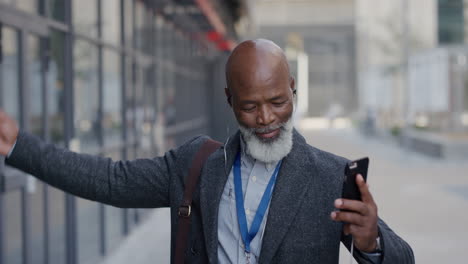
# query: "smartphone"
[[353, 168]]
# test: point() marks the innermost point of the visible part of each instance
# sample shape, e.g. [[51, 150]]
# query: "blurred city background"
[[134, 78]]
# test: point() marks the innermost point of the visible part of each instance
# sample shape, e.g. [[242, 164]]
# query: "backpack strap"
[[185, 209]]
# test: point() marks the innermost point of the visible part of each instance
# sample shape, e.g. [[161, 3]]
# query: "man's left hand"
[[360, 218]]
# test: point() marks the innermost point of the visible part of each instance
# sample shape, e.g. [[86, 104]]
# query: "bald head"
[[260, 92], [255, 60], [259, 87]]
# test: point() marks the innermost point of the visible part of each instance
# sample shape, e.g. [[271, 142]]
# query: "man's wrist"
[[375, 247], [374, 256], [378, 247]]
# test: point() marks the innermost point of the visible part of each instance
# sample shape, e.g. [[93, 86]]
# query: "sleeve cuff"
[[11, 150], [375, 258]]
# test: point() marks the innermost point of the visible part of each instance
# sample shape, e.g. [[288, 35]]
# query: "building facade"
[[119, 78]]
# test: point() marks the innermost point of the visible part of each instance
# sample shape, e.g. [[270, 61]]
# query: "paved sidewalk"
[[149, 243], [424, 200]]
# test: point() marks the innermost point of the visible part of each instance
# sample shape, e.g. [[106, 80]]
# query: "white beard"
[[268, 151]]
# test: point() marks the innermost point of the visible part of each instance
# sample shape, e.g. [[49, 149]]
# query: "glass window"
[[35, 76], [148, 41], [450, 13], [86, 96], [159, 53], [88, 231], [111, 21], [9, 102], [128, 22], [169, 109], [139, 25], [112, 108], [86, 123], [169, 76], [9, 85], [149, 95], [56, 87], [12, 226], [56, 9], [145, 105], [56, 203], [114, 226], [130, 103], [139, 101], [35, 84], [85, 17], [37, 221]]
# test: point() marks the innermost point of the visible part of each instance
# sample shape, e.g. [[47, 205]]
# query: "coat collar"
[[214, 176], [293, 181], [290, 187]]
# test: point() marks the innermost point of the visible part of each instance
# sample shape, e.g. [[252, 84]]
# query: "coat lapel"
[[214, 176], [292, 183]]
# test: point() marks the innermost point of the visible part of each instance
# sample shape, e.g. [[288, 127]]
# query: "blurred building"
[[320, 36], [412, 71], [392, 65], [124, 79], [387, 33], [450, 29]]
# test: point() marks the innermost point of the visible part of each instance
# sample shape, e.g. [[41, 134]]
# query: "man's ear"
[[292, 85], [228, 96]]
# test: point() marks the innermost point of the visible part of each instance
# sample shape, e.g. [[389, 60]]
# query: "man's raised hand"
[[360, 217], [8, 133]]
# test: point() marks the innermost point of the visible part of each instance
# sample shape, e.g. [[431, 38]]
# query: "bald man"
[[265, 196]]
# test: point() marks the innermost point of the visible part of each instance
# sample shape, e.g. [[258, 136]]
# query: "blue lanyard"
[[248, 236]]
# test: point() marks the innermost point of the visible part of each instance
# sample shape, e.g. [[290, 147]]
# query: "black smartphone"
[[353, 168]]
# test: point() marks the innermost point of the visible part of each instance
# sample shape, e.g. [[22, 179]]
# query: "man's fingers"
[[348, 217], [352, 205], [347, 229], [366, 196]]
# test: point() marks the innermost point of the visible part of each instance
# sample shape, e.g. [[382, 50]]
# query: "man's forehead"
[[256, 60]]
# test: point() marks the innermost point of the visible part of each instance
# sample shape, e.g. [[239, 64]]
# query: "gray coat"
[[298, 230]]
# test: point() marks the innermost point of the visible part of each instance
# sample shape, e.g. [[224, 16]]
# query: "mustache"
[[267, 129]]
